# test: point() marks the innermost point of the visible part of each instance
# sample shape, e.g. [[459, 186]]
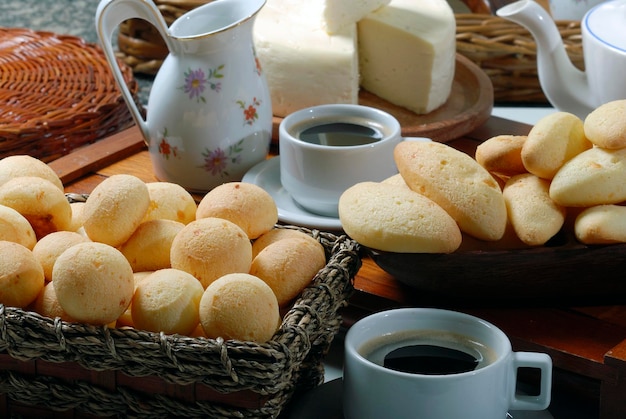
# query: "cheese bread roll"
[[170, 201], [209, 248], [14, 227], [605, 126], [594, 177], [552, 141], [239, 306], [533, 215], [42, 203], [93, 282], [396, 219], [24, 165], [115, 209], [457, 183], [502, 155], [245, 204], [21, 275], [601, 224]]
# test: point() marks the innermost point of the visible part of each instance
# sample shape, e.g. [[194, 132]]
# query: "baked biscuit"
[[594, 177], [601, 224], [239, 306], [502, 155], [115, 209], [48, 305], [21, 275], [170, 201], [24, 165], [288, 266], [167, 301], [14, 227], [245, 204], [552, 141], [93, 283], [49, 248], [396, 219], [148, 248], [209, 248], [605, 126], [457, 183], [41, 202], [275, 235], [533, 215]]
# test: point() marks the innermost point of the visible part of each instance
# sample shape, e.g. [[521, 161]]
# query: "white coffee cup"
[[371, 390], [315, 175]]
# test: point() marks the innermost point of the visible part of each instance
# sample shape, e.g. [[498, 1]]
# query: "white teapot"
[[209, 116], [604, 49]]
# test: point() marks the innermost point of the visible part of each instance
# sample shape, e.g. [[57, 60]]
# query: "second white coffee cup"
[[372, 389], [326, 149]]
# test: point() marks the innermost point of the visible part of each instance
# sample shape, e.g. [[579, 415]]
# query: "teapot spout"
[[565, 86]]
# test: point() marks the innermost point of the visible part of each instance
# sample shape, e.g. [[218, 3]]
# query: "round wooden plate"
[[469, 106]]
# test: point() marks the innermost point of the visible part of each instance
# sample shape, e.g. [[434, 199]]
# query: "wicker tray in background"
[[57, 93], [48, 365], [508, 54]]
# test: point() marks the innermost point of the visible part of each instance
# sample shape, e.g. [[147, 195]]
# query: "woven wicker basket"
[[508, 54], [48, 365], [57, 93], [503, 49]]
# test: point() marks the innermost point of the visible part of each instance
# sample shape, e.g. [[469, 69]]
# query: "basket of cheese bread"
[[527, 218], [136, 301]]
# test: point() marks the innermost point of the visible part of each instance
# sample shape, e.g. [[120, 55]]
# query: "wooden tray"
[[468, 107]]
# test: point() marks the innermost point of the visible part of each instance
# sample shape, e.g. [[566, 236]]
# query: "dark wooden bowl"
[[564, 271]]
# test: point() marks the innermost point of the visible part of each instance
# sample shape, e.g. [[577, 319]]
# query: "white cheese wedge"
[[407, 53], [329, 15], [303, 64]]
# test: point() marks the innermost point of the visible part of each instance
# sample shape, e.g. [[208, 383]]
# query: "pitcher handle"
[[109, 15]]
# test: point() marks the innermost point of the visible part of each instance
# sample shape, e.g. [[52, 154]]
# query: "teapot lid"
[[607, 22]]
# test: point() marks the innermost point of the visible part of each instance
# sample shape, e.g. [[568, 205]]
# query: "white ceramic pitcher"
[[209, 115]]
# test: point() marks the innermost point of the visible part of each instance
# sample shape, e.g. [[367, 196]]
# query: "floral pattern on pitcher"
[[218, 160], [250, 111], [166, 149], [196, 81]]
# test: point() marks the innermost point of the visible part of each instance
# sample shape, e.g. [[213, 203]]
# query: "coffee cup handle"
[[540, 361]]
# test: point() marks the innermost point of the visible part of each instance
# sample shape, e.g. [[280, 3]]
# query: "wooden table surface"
[[587, 344]]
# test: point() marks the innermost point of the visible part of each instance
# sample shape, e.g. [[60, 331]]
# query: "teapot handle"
[[109, 15]]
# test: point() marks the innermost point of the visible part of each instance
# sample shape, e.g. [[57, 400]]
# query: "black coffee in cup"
[[427, 352], [339, 133], [430, 360]]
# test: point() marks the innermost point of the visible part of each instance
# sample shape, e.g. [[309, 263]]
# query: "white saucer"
[[267, 175], [325, 402]]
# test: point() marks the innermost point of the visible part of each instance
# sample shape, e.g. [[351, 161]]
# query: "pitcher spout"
[[565, 86]]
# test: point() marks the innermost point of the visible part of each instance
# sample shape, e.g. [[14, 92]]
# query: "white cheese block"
[[303, 64], [329, 15], [407, 53]]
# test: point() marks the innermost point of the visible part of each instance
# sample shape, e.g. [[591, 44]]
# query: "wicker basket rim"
[[43, 93]]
